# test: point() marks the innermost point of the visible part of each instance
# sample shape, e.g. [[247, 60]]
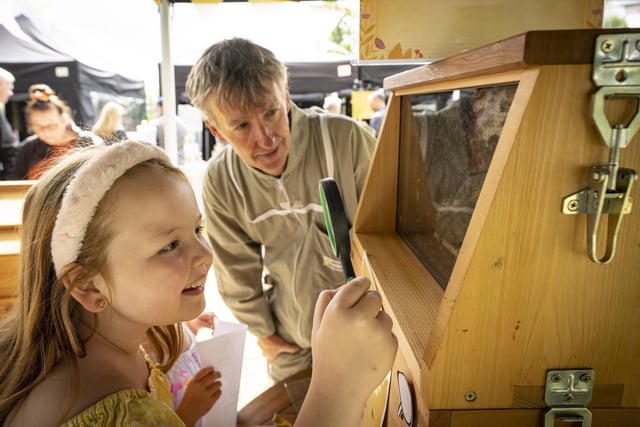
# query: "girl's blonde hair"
[[110, 120], [40, 332]]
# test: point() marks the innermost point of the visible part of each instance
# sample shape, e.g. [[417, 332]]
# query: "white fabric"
[[185, 367]]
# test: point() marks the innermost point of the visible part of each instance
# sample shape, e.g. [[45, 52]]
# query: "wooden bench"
[[12, 194]]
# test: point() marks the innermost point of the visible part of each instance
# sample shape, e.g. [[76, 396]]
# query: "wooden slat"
[[274, 400], [526, 49], [528, 417], [15, 189], [12, 194], [8, 273], [411, 296]]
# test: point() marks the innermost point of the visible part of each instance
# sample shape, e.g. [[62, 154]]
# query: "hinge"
[[567, 393]]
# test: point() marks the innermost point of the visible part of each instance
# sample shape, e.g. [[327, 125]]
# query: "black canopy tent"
[[310, 82], [84, 88]]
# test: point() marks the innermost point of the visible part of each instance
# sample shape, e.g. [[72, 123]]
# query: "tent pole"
[[167, 79]]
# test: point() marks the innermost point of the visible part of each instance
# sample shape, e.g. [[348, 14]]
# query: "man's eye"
[[171, 246]]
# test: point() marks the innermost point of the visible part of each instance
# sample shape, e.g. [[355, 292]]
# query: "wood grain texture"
[[523, 296], [531, 300], [532, 48], [12, 194]]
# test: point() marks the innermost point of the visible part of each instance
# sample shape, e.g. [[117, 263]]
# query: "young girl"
[[111, 248]]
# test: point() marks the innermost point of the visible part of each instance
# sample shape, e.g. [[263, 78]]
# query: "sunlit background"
[[123, 36]]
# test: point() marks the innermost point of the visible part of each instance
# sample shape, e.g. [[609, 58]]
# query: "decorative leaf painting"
[[375, 48], [418, 29]]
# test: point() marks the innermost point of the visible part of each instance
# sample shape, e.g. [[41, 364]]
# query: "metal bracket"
[[566, 393], [616, 59], [597, 201], [616, 70]]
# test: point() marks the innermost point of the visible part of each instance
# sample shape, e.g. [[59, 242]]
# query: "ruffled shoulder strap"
[[157, 383]]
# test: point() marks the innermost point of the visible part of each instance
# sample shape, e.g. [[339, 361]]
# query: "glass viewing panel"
[[447, 141]]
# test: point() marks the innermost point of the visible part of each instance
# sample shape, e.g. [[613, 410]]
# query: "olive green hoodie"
[[247, 210]]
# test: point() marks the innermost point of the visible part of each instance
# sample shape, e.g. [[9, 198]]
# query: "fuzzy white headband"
[[85, 190]]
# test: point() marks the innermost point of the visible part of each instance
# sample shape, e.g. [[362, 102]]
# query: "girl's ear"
[[85, 292]]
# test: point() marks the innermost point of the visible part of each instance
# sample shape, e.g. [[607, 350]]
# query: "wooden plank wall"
[[12, 195]]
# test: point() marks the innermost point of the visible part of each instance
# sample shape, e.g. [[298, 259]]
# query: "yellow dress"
[[132, 407]]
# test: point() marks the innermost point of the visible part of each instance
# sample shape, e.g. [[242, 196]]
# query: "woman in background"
[[109, 125], [55, 133]]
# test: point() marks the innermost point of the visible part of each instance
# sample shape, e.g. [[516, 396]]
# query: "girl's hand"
[[201, 393], [353, 349]]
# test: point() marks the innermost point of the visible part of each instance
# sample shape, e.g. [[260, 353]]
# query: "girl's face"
[[158, 259], [50, 126]]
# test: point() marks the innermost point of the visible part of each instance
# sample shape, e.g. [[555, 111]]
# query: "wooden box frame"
[[523, 296]]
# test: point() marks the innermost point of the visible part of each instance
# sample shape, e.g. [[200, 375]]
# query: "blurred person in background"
[[55, 133], [8, 141], [182, 130], [109, 125], [378, 103], [333, 104], [158, 122]]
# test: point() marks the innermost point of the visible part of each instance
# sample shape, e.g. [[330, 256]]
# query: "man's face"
[[259, 135], [6, 90]]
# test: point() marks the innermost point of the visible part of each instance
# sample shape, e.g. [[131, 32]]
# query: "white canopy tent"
[[260, 22], [133, 37]]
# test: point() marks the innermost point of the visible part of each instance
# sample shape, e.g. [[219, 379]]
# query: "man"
[[261, 197], [181, 129], [333, 103], [9, 143], [378, 103]]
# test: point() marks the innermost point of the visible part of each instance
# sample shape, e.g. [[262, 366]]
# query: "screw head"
[[470, 396], [607, 46], [585, 378], [573, 205]]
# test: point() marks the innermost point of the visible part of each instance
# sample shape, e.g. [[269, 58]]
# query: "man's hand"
[[201, 393], [204, 320], [273, 345]]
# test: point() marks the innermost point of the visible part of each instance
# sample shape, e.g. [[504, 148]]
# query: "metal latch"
[[616, 72], [567, 393]]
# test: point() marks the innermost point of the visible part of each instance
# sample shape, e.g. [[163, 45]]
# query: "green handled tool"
[[337, 224]]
